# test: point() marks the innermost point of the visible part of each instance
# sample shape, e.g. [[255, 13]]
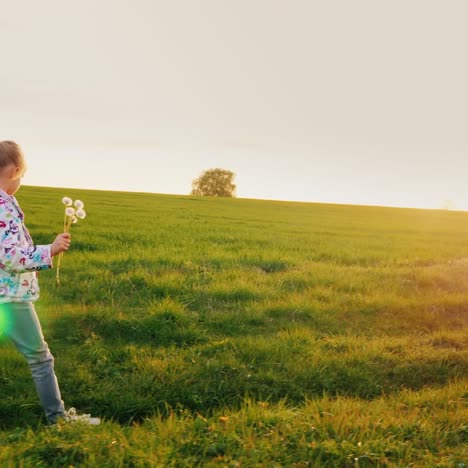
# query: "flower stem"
[[57, 275], [66, 227]]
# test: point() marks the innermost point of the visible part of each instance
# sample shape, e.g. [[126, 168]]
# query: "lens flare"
[[6, 321]]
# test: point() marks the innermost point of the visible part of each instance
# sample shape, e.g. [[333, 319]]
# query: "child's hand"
[[60, 244]]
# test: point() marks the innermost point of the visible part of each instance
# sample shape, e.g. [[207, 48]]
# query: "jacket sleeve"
[[15, 258]]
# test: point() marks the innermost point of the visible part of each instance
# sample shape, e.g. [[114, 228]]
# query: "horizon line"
[[257, 199]]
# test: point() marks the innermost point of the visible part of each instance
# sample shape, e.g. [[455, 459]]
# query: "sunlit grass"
[[427, 427], [176, 311]]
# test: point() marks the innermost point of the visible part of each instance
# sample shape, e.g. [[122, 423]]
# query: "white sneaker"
[[71, 416]]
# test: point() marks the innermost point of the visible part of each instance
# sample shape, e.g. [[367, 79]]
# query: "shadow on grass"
[[175, 325], [168, 360], [17, 414], [115, 369], [19, 405], [222, 378]]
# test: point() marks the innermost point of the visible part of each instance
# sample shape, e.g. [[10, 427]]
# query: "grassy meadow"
[[233, 332]]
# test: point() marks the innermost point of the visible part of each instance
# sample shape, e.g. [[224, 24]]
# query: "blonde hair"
[[11, 153]]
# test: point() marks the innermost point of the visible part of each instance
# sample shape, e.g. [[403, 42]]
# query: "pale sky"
[[360, 102]]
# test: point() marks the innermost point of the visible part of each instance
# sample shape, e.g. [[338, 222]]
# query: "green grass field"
[[232, 332]]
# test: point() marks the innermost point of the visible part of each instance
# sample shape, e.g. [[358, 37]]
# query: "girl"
[[19, 261]]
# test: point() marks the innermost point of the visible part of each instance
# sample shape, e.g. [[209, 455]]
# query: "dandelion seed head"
[[81, 213], [79, 204], [74, 220], [70, 211], [67, 201]]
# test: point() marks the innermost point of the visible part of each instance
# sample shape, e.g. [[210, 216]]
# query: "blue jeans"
[[19, 322]]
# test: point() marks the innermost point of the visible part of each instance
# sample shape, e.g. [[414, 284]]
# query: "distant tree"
[[214, 183]]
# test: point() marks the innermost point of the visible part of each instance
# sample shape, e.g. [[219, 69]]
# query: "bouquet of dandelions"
[[74, 210]]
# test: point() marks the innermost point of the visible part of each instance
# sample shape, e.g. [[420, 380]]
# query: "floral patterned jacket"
[[19, 257]]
